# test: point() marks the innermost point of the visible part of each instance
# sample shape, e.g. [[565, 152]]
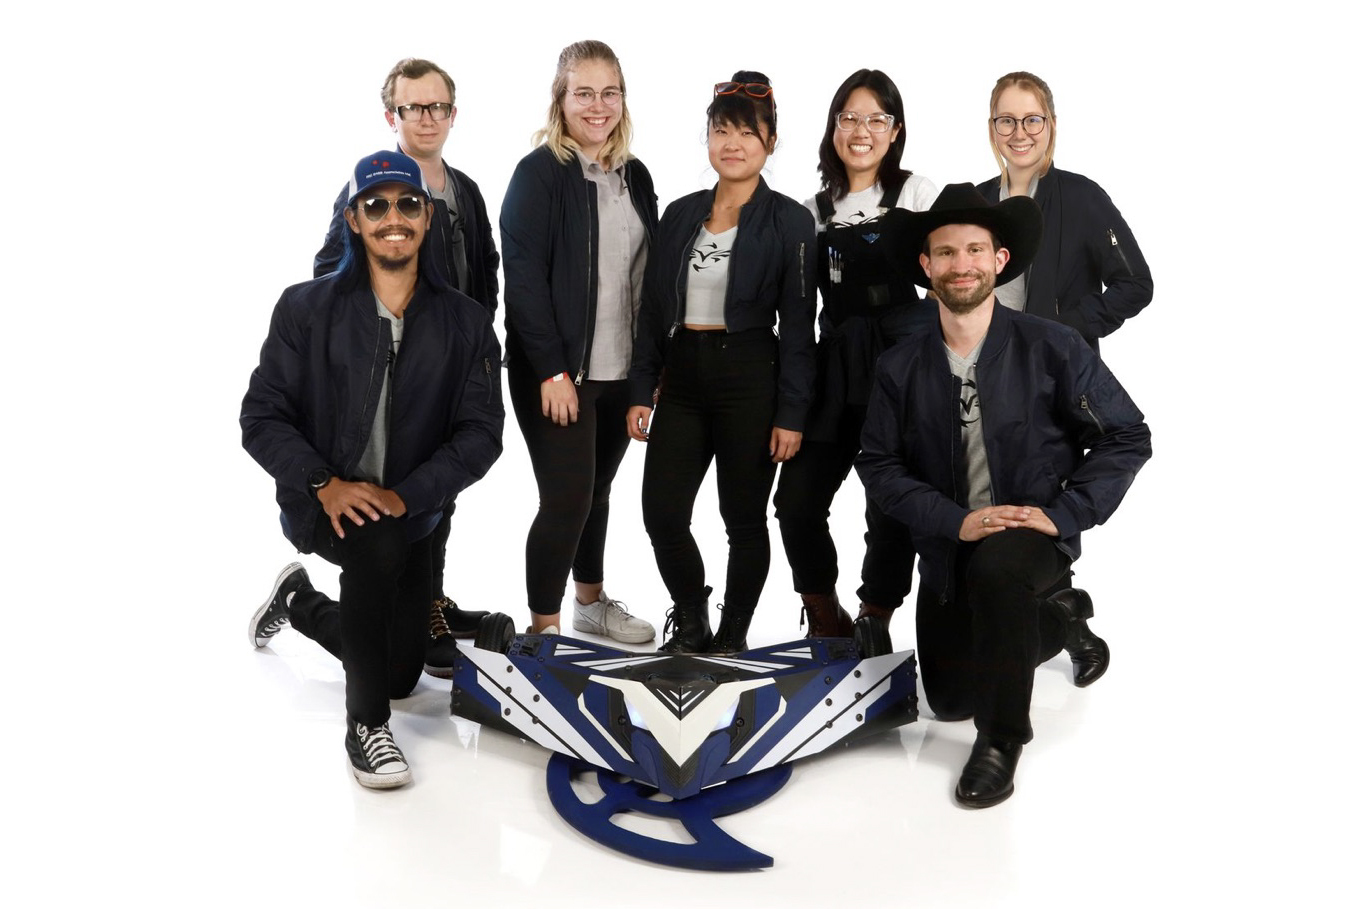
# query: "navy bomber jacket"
[[1089, 272], [549, 260], [1060, 433], [310, 403], [771, 283]]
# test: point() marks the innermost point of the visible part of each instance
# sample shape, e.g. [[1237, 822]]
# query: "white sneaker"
[[610, 618]]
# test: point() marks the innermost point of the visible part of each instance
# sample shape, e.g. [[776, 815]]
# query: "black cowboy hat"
[[1017, 222]]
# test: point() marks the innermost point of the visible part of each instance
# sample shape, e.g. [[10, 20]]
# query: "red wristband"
[[559, 378]]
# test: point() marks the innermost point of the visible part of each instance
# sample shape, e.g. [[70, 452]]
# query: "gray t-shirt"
[[449, 197], [708, 277], [371, 467], [1014, 294], [978, 493]]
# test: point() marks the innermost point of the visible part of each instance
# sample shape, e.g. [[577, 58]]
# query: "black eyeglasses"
[[847, 121], [1032, 125], [752, 89], [410, 207], [439, 110]]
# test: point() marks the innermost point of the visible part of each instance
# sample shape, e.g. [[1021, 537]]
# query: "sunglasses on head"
[[752, 89], [410, 207]]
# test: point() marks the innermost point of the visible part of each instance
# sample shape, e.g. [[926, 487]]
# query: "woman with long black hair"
[[577, 222], [730, 265], [870, 303]]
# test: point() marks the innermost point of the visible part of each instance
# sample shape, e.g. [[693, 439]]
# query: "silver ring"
[[985, 520]]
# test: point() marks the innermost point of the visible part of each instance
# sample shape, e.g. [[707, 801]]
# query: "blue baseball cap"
[[388, 166]]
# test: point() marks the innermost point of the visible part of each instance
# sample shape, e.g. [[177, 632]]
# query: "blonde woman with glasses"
[[577, 222]]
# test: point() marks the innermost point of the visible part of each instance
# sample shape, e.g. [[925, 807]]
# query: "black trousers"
[[806, 490], [717, 401], [439, 538], [574, 466], [978, 648], [379, 628]]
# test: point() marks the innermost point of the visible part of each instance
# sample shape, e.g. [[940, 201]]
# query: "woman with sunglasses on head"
[[731, 264], [1088, 273], [870, 303], [577, 222]]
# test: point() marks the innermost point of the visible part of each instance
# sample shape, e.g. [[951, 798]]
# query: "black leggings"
[[806, 489], [379, 628], [978, 649], [717, 401], [574, 466]]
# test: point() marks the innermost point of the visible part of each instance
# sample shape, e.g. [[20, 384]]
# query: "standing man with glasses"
[[376, 401], [419, 105]]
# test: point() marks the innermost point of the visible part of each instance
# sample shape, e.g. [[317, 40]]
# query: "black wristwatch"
[[319, 478]]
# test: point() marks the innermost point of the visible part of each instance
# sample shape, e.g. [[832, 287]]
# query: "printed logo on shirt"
[[706, 255], [858, 217], [970, 403]]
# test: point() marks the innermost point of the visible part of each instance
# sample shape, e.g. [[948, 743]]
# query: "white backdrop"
[[172, 169]]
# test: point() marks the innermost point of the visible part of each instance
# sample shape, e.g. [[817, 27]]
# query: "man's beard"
[[963, 300], [388, 263]]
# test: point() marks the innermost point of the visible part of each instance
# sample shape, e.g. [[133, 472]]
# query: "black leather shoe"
[[1088, 652], [988, 777]]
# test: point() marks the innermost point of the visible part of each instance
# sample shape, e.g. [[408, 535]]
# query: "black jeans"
[[379, 628], [574, 466], [806, 489], [718, 397], [439, 537], [978, 649]]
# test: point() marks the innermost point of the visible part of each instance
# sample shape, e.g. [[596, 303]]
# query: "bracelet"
[[559, 378]]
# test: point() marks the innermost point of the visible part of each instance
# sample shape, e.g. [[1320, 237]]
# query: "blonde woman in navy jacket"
[[726, 337], [577, 222], [1089, 272]]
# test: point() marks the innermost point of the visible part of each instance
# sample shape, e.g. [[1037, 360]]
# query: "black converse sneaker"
[[273, 614], [375, 758]]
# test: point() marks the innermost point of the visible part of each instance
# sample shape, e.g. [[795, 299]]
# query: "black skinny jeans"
[[806, 490], [718, 397], [379, 628], [574, 466], [978, 650]]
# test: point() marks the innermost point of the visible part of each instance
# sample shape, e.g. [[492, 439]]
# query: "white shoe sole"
[[624, 637], [382, 780]]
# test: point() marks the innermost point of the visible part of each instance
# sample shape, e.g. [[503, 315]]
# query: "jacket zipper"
[[1089, 412], [590, 310], [1113, 239], [488, 374], [679, 286], [366, 421]]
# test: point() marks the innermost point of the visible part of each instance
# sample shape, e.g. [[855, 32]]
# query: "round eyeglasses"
[[1032, 125], [410, 207], [609, 96], [847, 121], [439, 110]]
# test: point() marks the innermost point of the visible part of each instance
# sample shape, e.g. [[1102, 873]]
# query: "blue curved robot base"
[[676, 725]]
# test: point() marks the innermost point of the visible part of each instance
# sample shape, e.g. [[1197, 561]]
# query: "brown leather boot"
[[826, 618], [879, 612]]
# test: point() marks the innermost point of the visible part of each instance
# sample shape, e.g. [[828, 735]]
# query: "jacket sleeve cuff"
[[790, 416]]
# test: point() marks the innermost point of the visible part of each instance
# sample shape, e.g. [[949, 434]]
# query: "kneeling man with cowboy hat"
[[997, 440]]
